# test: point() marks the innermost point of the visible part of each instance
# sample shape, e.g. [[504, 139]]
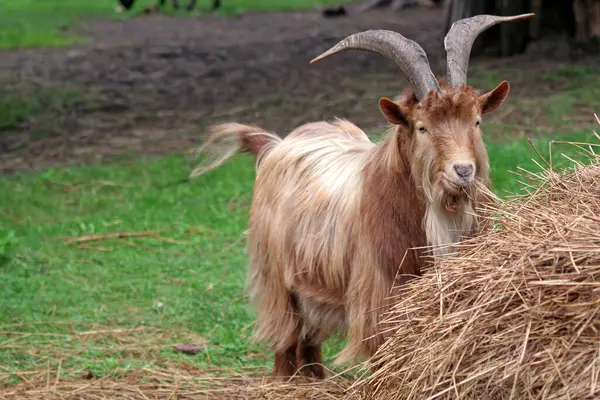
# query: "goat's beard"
[[449, 212], [449, 198], [452, 197]]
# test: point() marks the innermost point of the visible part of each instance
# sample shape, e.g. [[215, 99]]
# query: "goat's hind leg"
[[309, 359], [286, 364]]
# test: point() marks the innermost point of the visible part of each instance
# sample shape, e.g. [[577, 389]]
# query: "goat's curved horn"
[[404, 53], [459, 41]]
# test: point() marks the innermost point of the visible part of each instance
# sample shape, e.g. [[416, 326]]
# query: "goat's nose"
[[463, 171]]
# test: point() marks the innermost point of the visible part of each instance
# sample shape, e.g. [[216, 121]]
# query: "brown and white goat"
[[337, 220]]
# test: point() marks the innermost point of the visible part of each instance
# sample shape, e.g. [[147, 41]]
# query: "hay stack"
[[516, 314]]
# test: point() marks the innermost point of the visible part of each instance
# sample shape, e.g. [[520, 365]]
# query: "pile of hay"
[[515, 314]]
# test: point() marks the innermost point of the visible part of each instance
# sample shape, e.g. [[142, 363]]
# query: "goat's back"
[[302, 222]]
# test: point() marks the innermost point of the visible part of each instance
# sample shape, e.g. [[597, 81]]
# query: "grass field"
[[35, 23], [74, 297]]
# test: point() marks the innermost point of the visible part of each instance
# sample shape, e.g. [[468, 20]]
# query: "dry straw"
[[183, 382], [516, 313]]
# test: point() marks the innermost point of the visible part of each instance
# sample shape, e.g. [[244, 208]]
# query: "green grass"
[[189, 278], [35, 23]]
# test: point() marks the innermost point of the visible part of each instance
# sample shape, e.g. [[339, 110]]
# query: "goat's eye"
[[422, 129], [477, 123]]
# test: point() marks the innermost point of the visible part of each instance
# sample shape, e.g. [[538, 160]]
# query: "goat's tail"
[[225, 140]]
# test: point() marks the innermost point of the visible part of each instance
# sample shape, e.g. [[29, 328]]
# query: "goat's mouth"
[[455, 193], [455, 187]]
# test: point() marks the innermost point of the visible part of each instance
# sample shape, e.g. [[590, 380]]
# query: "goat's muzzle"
[[458, 177]]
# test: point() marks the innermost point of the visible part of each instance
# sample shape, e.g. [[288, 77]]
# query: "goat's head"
[[439, 123]]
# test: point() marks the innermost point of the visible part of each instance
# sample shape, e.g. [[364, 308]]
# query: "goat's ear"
[[494, 99], [392, 112]]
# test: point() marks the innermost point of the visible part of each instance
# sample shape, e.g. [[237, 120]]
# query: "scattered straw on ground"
[[43, 354], [515, 314], [177, 383], [52, 367]]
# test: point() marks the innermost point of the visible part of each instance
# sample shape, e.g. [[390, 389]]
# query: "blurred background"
[[100, 101], [87, 80]]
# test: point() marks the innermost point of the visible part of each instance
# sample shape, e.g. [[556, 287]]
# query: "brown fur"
[[337, 220]]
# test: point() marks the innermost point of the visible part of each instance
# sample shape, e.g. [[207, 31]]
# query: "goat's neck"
[[391, 209]]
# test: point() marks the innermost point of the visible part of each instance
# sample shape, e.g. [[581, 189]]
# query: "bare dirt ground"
[[149, 85]]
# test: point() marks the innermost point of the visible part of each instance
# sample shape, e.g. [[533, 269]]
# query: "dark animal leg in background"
[[335, 11], [216, 4], [176, 4], [127, 4], [309, 359], [191, 5], [161, 3]]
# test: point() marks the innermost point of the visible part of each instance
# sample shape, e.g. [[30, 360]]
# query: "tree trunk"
[[514, 35], [579, 19], [587, 24], [458, 9], [587, 19]]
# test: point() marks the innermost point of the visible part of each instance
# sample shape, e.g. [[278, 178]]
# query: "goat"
[[336, 221]]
